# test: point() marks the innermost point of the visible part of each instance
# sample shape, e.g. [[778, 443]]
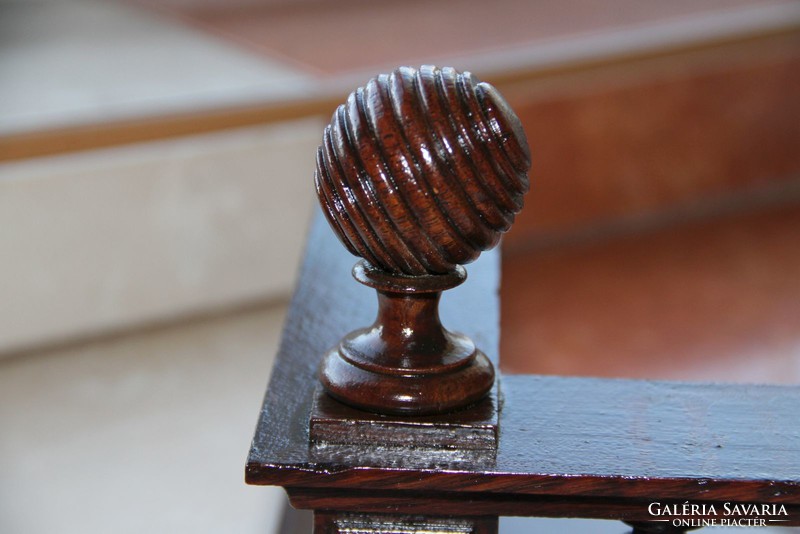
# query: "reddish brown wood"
[[567, 447], [643, 527], [464, 504], [470, 431], [406, 362], [418, 173], [421, 170]]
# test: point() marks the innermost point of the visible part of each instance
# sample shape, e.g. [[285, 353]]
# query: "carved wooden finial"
[[418, 173], [421, 170]]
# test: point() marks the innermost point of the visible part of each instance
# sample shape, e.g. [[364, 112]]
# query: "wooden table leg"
[[332, 522], [644, 527]]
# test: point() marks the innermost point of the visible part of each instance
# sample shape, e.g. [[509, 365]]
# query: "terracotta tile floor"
[[717, 300], [353, 35]]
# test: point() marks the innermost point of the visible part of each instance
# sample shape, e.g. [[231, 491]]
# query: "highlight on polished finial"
[[418, 172]]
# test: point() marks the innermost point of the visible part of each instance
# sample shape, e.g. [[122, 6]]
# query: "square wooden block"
[[472, 429]]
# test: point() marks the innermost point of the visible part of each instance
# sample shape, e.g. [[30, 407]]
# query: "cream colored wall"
[[110, 239]]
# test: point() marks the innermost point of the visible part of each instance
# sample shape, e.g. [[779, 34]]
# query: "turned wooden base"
[[355, 381], [406, 363]]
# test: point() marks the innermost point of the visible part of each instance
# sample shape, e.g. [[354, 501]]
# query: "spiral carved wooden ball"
[[422, 170]]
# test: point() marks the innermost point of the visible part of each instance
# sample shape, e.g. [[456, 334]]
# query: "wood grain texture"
[[406, 362], [418, 173], [505, 504], [471, 429], [421, 170], [567, 446]]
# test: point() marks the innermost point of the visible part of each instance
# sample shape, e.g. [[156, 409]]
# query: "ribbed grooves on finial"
[[420, 171]]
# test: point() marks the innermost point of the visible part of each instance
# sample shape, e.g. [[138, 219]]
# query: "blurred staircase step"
[[630, 107], [714, 299]]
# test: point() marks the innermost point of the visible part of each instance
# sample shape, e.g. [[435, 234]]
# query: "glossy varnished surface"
[[422, 169], [327, 304], [406, 362], [567, 446], [419, 171]]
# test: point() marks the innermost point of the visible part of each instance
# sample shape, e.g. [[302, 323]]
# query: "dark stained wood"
[[465, 503], [471, 429], [421, 170], [568, 447], [418, 173], [644, 527], [326, 522], [406, 362]]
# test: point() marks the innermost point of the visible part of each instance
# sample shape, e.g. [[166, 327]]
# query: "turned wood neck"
[[411, 321], [408, 328], [407, 362]]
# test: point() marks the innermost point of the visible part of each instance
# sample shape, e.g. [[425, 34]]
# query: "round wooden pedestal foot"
[[407, 362]]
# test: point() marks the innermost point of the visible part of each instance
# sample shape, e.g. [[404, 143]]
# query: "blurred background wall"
[[155, 184]]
